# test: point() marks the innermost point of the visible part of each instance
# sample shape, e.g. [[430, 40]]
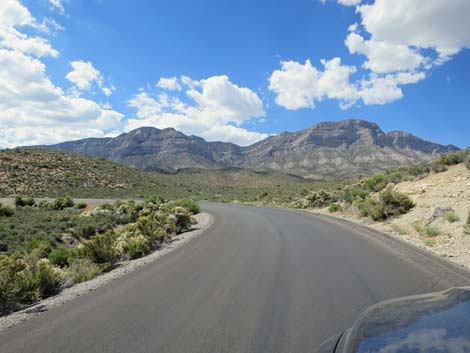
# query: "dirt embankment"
[[429, 224]]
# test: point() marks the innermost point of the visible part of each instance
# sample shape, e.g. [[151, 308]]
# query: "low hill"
[[50, 173], [325, 151], [54, 173]]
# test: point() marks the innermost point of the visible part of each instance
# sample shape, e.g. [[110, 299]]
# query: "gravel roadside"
[[204, 221]]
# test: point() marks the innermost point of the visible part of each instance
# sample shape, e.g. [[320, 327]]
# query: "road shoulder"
[[205, 221]]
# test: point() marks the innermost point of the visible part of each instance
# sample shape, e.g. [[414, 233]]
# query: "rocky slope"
[[340, 149], [435, 197]]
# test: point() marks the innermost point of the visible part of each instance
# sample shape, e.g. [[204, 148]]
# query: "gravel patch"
[[204, 221]]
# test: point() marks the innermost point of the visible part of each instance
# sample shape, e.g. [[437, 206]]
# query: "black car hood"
[[436, 323]]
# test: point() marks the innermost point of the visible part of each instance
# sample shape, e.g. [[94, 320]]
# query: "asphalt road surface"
[[259, 280]]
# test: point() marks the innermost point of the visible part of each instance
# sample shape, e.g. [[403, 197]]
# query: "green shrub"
[[431, 231], [80, 205], [428, 230], [183, 220], [40, 248], [155, 199], [452, 158], [316, 199], [452, 217], [6, 211], [429, 242], [189, 204], [49, 278], [437, 167], [354, 193], [418, 227], [18, 285], [389, 204], [467, 162], [376, 183], [61, 203], [24, 201], [395, 203], [59, 257], [372, 208], [132, 244], [100, 249], [335, 207], [81, 270]]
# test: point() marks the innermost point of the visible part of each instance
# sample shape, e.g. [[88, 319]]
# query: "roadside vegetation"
[[374, 197], [48, 246]]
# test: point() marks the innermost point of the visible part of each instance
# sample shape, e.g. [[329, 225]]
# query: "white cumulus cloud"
[[383, 56], [441, 25], [299, 85], [215, 111], [84, 74], [33, 110], [170, 84], [13, 16]]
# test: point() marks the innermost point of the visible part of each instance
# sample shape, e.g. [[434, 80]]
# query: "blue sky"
[[235, 70]]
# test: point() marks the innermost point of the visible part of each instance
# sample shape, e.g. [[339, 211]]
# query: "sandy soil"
[[450, 189]]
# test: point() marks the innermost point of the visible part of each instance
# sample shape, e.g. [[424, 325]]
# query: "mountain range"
[[327, 150]]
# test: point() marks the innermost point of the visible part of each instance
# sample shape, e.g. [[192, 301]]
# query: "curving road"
[[259, 280]]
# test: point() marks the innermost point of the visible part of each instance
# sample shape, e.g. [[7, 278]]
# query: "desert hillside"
[[440, 219]]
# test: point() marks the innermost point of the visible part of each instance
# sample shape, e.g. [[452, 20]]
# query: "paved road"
[[259, 280]]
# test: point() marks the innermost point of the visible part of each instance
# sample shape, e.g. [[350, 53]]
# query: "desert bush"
[[49, 277], [389, 203], [81, 270], [320, 198], [467, 162], [451, 158], [6, 211], [24, 201], [59, 257], [395, 203], [40, 248], [80, 205], [395, 177], [429, 242], [376, 183], [431, 231], [372, 208], [427, 230], [132, 244], [18, 286], [152, 226], [452, 217], [183, 219], [154, 199], [100, 249], [189, 204], [61, 203], [354, 193], [335, 207], [418, 226], [437, 167], [86, 227]]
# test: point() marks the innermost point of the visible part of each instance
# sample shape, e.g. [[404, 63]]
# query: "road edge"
[[205, 221], [423, 257]]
